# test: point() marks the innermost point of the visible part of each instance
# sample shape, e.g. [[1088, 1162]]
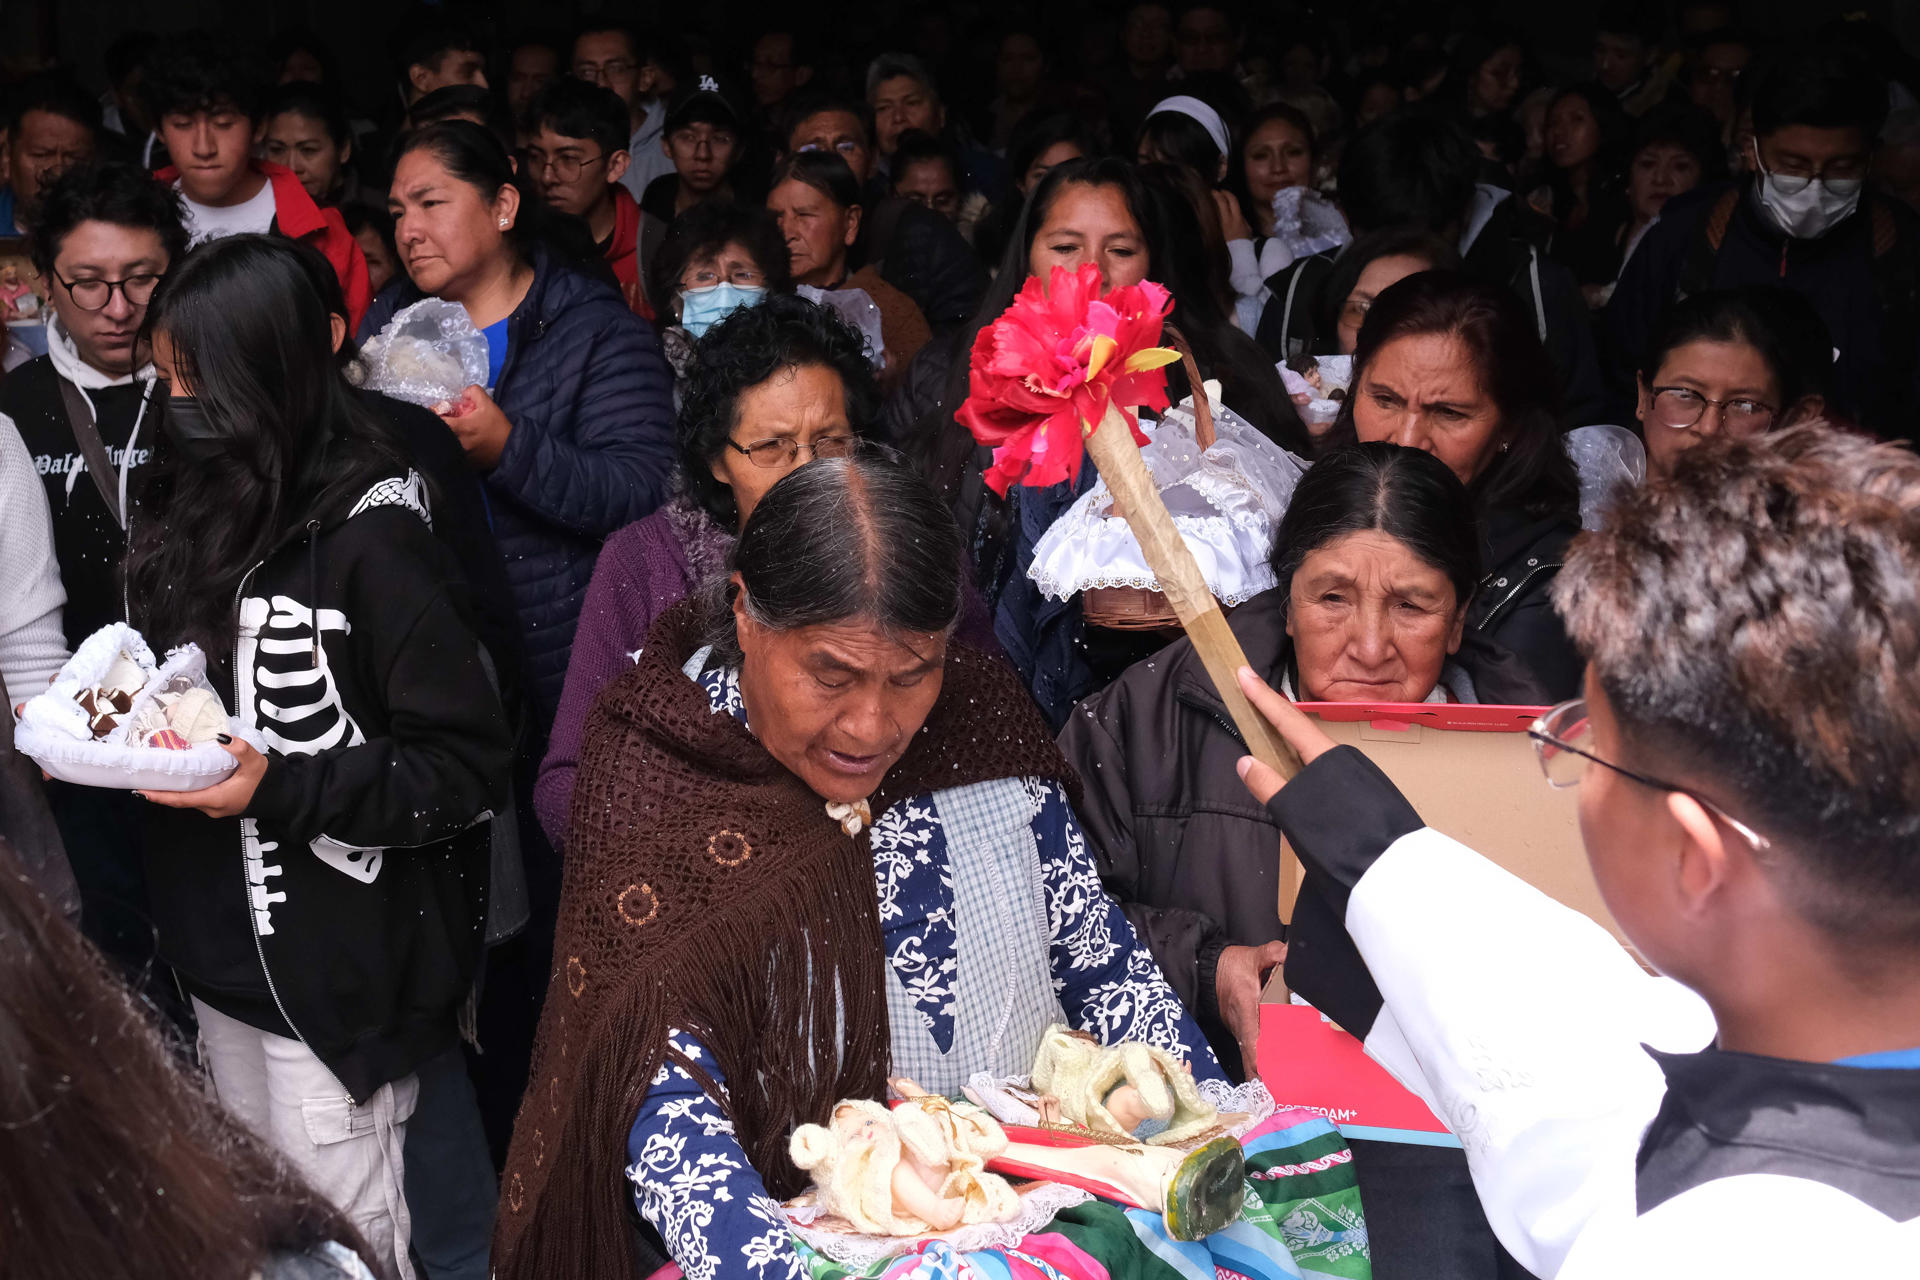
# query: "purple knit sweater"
[[643, 570]]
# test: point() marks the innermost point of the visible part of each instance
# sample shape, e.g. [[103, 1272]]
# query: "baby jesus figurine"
[[910, 1171], [1126, 1090]]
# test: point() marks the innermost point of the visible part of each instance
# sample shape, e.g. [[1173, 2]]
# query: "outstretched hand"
[[1294, 725]]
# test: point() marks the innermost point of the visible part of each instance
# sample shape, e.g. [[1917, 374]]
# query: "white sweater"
[[33, 645]]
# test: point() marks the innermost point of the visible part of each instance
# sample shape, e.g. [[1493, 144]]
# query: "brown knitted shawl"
[[707, 890]]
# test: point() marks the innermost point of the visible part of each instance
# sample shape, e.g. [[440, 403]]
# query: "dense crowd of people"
[[661, 737]]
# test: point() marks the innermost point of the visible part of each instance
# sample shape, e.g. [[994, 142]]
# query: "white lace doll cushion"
[[54, 733], [1226, 502]]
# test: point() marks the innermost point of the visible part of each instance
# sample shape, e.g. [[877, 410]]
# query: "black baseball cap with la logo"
[[705, 103]]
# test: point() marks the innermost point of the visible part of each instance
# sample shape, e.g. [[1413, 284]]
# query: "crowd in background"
[[698, 267]]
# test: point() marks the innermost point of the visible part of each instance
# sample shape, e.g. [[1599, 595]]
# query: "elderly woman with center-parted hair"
[[771, 387], [1376, 563], [814, 843]]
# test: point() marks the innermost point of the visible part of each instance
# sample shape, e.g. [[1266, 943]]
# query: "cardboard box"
[[1471, 773]]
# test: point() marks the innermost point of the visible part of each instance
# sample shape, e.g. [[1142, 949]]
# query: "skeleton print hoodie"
[[346, 907]]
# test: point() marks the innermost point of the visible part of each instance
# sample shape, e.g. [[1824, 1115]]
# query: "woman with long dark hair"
[[1099, 211], [113, 1160], [324, 905], [574, 430], [1134, 226], [1453, 365], [1587, 139]]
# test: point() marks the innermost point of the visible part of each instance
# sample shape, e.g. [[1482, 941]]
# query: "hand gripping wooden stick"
[[1137, 497]]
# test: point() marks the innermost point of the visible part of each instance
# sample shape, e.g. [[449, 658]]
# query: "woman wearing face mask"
[[716, 258], [1453, 366], [573, 432], [770, 388], [1732, 362], [324, 905], [816, 199], [1800, 217]]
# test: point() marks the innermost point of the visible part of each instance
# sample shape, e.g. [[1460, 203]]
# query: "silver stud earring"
[[503, 224]]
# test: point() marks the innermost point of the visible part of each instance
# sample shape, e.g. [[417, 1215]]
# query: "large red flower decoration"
[[1044, 373]]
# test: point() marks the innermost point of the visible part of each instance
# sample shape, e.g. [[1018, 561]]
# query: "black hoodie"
[[347, 906]]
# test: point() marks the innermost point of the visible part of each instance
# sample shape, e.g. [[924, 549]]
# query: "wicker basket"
[[1135, 608]]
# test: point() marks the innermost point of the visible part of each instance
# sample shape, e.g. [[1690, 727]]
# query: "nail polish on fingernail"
[[139, 795], [222, 739]]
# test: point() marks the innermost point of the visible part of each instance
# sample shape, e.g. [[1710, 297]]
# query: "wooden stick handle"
[[1137, 497]]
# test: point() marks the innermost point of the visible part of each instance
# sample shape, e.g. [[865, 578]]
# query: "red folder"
[[1307, 1062]]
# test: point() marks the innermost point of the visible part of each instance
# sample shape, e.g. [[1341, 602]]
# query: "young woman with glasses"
[[1732, 362]]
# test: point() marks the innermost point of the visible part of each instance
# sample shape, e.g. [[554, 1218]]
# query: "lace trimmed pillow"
[[1226, 502]]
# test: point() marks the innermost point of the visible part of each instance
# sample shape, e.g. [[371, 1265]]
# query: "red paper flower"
[[1044, 373]]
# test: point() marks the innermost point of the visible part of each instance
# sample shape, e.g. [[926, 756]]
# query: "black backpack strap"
[[1290, 322], [1696, 272]]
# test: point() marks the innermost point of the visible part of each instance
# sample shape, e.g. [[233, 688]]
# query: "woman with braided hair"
[[813, 843]]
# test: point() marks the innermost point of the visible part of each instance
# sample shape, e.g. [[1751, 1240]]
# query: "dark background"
[[73, 33]]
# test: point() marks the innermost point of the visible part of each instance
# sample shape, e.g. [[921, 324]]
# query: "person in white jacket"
[[1748, 757], [33, 645]]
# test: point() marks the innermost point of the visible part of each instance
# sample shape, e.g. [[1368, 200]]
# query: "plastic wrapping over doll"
[[1125, 1090]]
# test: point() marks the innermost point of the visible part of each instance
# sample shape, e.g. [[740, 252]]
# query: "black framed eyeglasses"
[[784, 450], [565, 166], [1557, 740], [92, 295]]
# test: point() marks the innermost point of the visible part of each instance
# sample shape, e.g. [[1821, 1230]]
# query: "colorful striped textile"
[[1302, 1221]]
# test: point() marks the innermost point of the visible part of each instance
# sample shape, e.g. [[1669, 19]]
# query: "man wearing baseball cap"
[[703, 138]]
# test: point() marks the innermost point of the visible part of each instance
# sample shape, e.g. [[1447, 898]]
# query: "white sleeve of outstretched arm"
[[33, 644], [1521, 1023], [1246, 278]]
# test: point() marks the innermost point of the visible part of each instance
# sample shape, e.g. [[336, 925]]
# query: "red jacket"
[[622, 250], [297, 217]]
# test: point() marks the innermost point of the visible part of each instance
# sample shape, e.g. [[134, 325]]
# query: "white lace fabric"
[[1226, 502]]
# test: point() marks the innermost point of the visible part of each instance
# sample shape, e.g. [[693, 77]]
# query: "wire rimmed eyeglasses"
[[1557, 741]]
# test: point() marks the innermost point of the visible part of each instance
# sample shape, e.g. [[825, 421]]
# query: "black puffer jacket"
[[920, 253], [346, 907]]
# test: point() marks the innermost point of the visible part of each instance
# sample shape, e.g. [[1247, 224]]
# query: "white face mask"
[[1820, 205]]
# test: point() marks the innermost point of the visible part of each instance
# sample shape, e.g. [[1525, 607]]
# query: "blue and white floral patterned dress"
[[690, 1178]]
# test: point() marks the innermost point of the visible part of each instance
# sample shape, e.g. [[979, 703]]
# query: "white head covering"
[[1194, 109]]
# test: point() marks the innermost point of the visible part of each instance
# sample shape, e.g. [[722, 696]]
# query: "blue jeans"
[[451, 1187]]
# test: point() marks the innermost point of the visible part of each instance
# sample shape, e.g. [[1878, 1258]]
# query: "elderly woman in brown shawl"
[[813, 843]]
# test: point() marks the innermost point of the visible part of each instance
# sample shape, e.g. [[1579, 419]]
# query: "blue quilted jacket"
[[591, 402]]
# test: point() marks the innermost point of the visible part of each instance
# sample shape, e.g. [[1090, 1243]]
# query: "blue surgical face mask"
[[701, 309]]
